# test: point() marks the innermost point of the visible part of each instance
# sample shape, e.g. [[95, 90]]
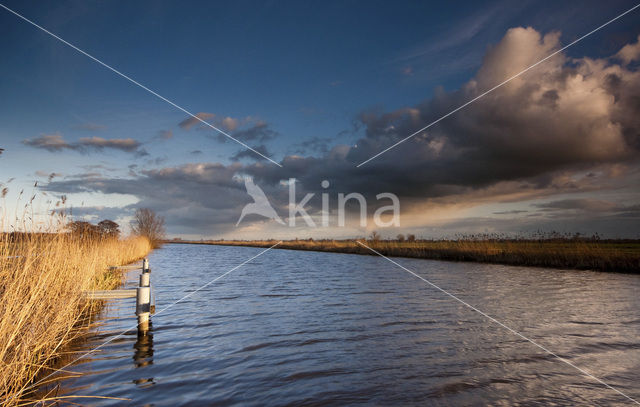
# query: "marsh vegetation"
[[42, 280], [556, 251]]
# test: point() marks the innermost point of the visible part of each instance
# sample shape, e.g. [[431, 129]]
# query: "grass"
[[566, 253], [42, 278]]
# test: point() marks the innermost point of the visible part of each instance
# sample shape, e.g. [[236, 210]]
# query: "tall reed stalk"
[[42, 278]]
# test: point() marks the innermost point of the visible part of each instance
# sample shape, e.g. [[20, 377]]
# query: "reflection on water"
[[143, 354], [304, 328]]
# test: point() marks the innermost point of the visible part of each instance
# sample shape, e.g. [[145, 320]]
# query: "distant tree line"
[[408, 238], [375, 236], [106, 229], [145, 223]]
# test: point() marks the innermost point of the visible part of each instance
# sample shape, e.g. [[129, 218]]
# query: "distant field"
[[604, 255]]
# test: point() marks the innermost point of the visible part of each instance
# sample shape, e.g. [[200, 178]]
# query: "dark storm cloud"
[[512, 212], [249, 154], [535, 135], [142, 153], [189, 196], [583, 204], [588, 206], [246, 129], [313, 145], [99, 143], [563, 115], [157, 161], [259, 132]]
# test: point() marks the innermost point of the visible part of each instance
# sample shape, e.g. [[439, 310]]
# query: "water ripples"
[[314, 329]]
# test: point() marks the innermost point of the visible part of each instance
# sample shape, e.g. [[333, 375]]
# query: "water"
[[308, 328]]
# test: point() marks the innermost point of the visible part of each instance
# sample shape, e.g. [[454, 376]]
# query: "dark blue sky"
[[305, 71]]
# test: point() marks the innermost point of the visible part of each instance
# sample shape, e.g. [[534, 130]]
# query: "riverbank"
[[42, 309], [606, 255]]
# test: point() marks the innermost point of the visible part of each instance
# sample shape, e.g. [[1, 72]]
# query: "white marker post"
[[143, 298]]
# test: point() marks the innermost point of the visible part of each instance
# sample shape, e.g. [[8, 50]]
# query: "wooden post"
[[145, 265]]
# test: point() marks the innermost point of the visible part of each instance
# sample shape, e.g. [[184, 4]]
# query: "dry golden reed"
[[42, 278]]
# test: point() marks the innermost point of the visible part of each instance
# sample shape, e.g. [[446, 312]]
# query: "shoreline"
[[85, 328], [44, 307], [607, 256]]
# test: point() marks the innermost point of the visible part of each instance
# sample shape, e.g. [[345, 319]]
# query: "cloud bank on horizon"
[[557, 147]]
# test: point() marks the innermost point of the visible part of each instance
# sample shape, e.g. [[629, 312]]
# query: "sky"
[[319, 88]]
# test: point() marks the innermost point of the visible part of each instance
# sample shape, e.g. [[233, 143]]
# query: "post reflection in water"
[[143, 353], [303, 328]]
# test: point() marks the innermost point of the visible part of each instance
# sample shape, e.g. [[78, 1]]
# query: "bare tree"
[[375, 236], [400, 237], [148, 224], [411, 238]]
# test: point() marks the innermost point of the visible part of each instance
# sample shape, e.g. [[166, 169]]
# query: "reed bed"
[[601, 255], [42, 277]]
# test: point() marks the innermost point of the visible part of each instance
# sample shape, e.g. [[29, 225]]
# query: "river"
[[311, 328]]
